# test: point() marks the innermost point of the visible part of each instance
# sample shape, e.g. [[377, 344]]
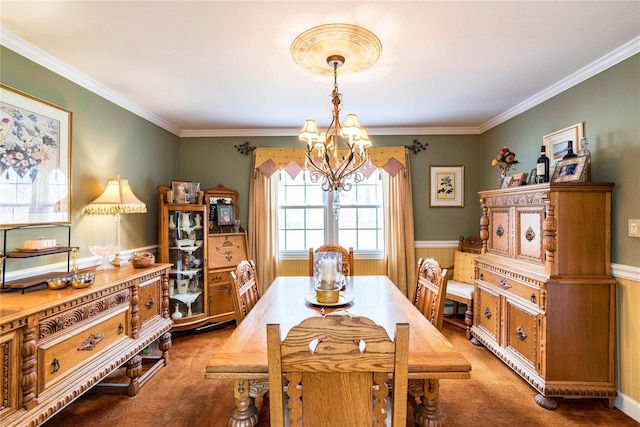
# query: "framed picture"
[[35, 160], [533, 176], [517, 179], [569, 170], [506, 181], [225, 214], [184, 191], [447, 186], [556, 143]]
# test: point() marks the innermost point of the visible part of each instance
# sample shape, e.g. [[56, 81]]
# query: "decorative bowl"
[[142, 259], [57, 283], [82, 281]]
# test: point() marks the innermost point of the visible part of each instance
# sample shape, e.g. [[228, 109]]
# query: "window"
[[306, 219]]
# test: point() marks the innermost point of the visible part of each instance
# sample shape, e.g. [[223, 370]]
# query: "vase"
[[183, 286], [176, 314]]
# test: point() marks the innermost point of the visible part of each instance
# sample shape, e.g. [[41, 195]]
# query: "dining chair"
[[431, 288], [333, 370], [347, 258], [246, 288], [460, 287]]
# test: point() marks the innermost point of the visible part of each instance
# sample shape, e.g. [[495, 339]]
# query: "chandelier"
[[325, 161]]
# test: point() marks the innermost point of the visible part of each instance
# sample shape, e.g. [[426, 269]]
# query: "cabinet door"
[[522, 334], [220, 294], [487, 310], [528, 245], [500, 229], [9, 381]]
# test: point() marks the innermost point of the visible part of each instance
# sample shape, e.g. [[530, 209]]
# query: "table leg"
[[428, 413], [245, 414]]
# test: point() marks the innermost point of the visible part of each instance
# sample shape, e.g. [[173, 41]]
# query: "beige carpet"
[[179, 396]]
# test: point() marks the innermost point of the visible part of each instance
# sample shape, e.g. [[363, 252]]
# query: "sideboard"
[[544, 299], [57, 344]]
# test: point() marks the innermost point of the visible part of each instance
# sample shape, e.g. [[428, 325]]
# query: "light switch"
[[634, 228]]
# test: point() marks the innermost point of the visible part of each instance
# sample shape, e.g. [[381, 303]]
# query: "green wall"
[[107, 141], [609, 106], [213, 161]]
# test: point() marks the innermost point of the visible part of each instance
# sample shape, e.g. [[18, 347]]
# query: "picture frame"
[[225, 214], [556, 143], [447, 186], [569, 170], [533, 177], [35, 160], [505, 182], [184, 191], [517, 179]]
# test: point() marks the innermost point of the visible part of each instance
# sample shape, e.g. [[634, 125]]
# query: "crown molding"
[[609, 60], [42, 58]]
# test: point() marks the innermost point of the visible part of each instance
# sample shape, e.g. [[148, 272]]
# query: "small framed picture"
[[556, 143], [506, 181], [184, 191], [517, 179], [533, 176], [225, 214], [569, 170], [447, 186]]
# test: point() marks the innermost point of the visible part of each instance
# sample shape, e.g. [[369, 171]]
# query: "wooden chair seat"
[[334, 369]]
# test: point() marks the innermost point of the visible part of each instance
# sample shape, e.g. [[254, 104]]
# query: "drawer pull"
[[533, 298], [500, 231], [487, 312], [91, 342], [56, 365], [120, 329], [520, 333], [504, 284], [59, 324], [481, 276]]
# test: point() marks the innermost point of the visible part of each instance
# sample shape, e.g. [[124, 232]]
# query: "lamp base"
[[118, 261]]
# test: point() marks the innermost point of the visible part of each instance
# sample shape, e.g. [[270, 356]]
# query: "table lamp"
[[117, 198]]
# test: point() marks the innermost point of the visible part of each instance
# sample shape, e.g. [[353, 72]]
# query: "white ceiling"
[[217, 68]]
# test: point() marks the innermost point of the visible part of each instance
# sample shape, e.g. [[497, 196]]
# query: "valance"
[[292, 160]]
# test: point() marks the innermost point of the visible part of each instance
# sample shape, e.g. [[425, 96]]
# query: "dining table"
[[291, 299]]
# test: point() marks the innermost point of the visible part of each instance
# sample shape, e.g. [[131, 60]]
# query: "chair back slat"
[[431, 290], [246, 288]]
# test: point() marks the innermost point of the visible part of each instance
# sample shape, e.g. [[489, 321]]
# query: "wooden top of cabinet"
[[551, 186]]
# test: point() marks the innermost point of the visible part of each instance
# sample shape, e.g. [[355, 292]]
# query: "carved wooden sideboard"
[[57, 344], [544, 297]]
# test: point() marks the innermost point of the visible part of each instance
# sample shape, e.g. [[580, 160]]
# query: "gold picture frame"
[[556, 143], [35, 160], [518, 179]]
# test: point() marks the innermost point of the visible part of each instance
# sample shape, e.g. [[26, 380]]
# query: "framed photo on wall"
[[446, 186], [35, 160], [556, 143]]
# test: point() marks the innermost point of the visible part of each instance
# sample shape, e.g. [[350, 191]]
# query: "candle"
[[327, 273]]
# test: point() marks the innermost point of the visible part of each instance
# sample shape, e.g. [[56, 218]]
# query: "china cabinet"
[[544, 299], [200, 289]]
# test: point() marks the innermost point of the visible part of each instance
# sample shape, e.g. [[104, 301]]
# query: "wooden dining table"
[[243, 357]]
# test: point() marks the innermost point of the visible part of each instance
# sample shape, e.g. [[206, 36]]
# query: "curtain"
[[399, 251], [263, 226]]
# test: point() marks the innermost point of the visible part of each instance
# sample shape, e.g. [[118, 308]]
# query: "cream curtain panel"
[[398, 205]]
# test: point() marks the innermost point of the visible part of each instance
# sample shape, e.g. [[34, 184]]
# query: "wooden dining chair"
[[431, 288], [246, 289], [333, 369], [347, 258]]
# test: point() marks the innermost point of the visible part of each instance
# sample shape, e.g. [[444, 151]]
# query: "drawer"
[[60, 357], [487, 310], [522, 334], [511, 286]]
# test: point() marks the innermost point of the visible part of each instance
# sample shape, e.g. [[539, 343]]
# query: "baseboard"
[[628, 406]]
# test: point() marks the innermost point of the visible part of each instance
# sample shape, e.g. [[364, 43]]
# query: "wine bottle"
[[570, 152], [542, 167]]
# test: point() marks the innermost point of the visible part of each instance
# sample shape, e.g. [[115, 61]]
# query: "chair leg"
[[468, 320]]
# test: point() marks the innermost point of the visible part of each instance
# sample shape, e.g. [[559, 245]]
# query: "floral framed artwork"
[[556, 143], [35, 160], [447, 186]]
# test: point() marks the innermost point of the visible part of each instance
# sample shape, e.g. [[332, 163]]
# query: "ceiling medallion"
[[311, 49]]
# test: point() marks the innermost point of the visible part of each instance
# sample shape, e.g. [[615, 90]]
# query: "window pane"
[[367, 239], [347, 218], [294, 219], [315, 218], [315, 238], [367, 217], [348, 239], [295, 240]]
